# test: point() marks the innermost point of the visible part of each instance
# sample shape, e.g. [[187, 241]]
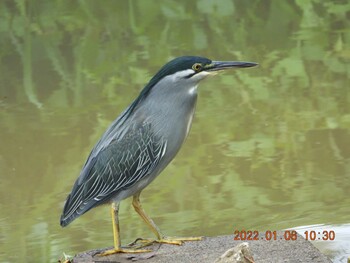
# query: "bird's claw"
[[122, 250], [164, 240]]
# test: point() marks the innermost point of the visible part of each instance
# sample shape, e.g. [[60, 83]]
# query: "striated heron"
[[140, 143]]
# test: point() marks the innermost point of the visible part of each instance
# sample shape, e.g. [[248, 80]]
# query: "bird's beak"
[[221, 65]]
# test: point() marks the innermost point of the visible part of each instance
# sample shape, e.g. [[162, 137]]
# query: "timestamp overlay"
[[288, 235], [322, 236]]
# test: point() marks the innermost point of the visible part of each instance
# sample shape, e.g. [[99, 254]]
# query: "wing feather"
[[116, 167]]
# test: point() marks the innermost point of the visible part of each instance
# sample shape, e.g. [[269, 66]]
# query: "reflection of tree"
[[81, 45]]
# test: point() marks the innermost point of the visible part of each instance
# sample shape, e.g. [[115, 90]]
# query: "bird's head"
[[182, 75], [194, 69]]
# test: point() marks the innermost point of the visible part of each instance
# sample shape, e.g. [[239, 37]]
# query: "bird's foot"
[[177, 240], [122, 250], [164, 240]]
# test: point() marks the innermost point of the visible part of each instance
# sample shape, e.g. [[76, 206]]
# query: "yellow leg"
[[160, 237], [116, 235]]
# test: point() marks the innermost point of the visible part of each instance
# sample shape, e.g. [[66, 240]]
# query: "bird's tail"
[[67, 216], [75, 208]]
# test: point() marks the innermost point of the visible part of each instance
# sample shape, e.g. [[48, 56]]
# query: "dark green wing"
[[116, 167]]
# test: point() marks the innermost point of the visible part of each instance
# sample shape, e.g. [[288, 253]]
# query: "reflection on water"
[[339, 248], [268, 148]]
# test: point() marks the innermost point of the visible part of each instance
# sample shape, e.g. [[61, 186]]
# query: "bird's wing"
[[118, 166]]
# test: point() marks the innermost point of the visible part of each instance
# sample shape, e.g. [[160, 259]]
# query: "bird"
[[140, 143]]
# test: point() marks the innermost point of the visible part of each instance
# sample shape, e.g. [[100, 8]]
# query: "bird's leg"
[[116, 235], [160, 237]]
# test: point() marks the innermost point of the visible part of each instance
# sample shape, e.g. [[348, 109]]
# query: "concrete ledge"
[[211, 248]]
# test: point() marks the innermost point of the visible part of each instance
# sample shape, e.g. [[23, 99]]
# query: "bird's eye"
[[197, 67]]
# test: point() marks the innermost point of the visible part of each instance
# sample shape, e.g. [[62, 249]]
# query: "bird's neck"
[[171, 113]]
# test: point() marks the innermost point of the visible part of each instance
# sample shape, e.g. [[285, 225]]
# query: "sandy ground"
[[210, 248]]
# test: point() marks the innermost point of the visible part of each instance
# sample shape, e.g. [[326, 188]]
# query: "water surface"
[[268, 149]]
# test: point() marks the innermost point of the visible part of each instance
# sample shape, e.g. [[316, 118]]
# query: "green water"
[[269, 146]]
